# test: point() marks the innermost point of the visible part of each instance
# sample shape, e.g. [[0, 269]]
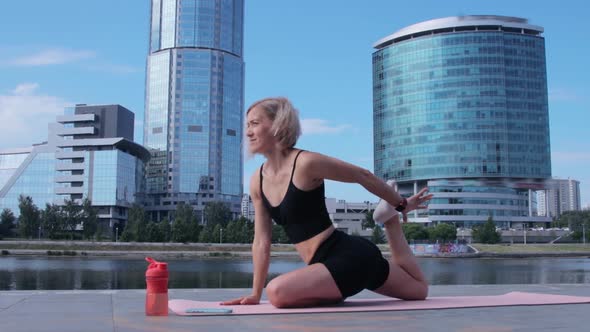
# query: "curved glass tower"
[[194, 104], [460, 106]]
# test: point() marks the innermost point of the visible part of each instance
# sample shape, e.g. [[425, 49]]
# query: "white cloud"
[[52, 57], [25, 89], [26, 114], [320, 126]]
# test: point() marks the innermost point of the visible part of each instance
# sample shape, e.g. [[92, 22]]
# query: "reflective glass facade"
[[194, 102], [114, 180], [8, 164], [460, 102], [36, 180]]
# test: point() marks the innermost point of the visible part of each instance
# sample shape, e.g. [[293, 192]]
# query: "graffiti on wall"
[[439, 248]]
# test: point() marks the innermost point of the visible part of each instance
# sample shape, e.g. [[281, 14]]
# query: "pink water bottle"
[[156, 277]]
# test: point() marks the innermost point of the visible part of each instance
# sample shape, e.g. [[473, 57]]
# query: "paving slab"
[[123, 310]]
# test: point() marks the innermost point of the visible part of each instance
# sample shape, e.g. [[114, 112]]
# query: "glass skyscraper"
[[460, 106], [194, 104]]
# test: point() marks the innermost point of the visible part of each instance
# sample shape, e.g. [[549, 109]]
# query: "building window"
[[195, 129]]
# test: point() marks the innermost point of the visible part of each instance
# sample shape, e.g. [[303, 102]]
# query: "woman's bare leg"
[[309, 286], [405, 280]]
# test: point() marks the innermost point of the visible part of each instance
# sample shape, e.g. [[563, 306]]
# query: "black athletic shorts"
[[354, 262]]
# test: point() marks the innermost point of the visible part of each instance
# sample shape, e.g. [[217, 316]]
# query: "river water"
[[66, 273]]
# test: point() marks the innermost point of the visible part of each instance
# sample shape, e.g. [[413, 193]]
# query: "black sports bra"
[[302, 214]]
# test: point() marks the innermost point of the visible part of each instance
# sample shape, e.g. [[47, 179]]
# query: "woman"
[[289, 188]]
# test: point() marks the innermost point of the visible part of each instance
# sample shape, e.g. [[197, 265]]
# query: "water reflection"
[[52, 273]]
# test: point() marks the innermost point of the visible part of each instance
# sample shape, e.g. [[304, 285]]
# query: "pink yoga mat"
[[384, 304]]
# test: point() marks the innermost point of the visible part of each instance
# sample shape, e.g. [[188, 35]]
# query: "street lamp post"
[[524, 228], [220, 234], [39, 234]]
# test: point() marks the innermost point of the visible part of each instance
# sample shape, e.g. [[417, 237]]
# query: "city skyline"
[[318, 54]]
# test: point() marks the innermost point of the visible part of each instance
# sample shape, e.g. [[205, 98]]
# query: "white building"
[[562, 195], [247, 207], [348, 216]]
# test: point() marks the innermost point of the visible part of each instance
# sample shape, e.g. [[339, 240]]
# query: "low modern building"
[[89, 153], [561, 195], [349, 216]]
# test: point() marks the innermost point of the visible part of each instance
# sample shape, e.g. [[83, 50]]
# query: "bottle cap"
[[156, 269]]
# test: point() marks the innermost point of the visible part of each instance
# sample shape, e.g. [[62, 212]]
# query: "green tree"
[[232, 232], [443, 232], [217, 234], [578, 222], [89, 219], [127, 234], [165, 229], [206, 235], [486, 233], [154, 232], [184, 226], [7, 222], [29, 219], [414, 231], [217, 213], [52, 221], [278, 234], [247, 232], [378, 236], [136, 225], [240, 230], [368, 222], [72, 213]]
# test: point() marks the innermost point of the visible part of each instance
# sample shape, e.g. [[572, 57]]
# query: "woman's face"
[[260, 138]]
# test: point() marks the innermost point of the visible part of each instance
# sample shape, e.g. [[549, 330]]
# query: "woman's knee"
[[421, 291], [277, 293]]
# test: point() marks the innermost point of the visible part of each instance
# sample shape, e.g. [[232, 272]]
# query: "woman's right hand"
[[244, 300]]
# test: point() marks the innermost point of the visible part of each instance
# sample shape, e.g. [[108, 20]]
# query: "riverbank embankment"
[[234, 250]]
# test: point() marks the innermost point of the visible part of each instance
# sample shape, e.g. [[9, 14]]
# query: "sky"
[[318, 53]]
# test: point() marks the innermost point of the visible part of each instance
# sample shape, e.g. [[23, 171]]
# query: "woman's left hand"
[[418, 201]]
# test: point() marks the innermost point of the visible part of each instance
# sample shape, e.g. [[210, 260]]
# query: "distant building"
[[460, 106], [247, 207], [562, 195], [89, 153], [194, 107], [348, 216]]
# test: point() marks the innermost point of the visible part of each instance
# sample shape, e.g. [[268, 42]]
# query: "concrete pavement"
[[123, 310]]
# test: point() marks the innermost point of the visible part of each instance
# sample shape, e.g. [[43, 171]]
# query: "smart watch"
[[402, 205]]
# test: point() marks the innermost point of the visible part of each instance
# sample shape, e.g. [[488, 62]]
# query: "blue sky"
[[318, 53]]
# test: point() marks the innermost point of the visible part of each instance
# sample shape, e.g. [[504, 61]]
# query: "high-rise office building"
[[460, 105], [559, 196], [89, 153], [194, 104]]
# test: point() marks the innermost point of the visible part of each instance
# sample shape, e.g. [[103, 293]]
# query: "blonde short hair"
[[284, 117]]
